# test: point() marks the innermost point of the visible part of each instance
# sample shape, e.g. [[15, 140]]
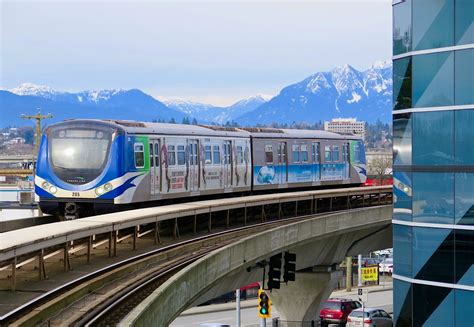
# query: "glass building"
[[433, 123]]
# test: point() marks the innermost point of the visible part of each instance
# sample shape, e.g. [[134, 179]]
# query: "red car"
[[335, 311]]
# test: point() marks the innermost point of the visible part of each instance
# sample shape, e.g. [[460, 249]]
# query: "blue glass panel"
[[402, 139], [464, 134], [402, 83], [433, 198], [402, 249], [433, 80], [434, 306], [464, 308], [433, 254], [464, 78], [433, 24], [464, 21], [402, 196], [464, 242], [464, 199], [433, 137], [402, 27], [402, 303]]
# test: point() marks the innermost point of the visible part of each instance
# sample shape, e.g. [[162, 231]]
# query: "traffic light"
[[289, 267], [264, 305], [274, 272]]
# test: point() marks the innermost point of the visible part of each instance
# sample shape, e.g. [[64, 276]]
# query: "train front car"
[[80, 167]]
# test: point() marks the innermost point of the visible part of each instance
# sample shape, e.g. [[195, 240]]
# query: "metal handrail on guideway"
[[32, 239]]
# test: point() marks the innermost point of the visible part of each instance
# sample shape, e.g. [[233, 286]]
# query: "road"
[[381, 299]]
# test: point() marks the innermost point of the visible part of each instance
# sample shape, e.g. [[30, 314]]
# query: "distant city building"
[[345, 126], [16, 140]]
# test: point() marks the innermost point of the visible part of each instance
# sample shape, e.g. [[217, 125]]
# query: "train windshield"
[[79, 155]]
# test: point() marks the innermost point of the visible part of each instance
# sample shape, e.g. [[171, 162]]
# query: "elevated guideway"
[[77, 243]]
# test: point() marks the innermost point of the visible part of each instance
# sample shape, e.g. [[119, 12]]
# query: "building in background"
[[345, 126], [433, 149]]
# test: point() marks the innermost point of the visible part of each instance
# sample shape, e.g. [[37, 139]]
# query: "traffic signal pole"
[[237, 304]]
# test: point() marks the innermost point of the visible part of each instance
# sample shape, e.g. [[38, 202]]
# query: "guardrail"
[[33, 240]]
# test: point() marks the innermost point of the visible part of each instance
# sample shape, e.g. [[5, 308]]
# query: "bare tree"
[[381, 166]]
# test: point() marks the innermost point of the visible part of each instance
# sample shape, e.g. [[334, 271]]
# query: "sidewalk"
[[253, 302]]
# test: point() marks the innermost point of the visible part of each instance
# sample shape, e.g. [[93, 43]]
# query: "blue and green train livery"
[[90, 166]]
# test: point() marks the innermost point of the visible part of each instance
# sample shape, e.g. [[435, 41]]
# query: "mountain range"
[[341, 92]]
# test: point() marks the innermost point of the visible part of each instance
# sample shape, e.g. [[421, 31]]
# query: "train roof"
[[135, 127]]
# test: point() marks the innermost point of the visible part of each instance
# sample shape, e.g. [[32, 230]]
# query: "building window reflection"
[[464, 77], [464, 22], [402, 83], [434, 24], [433, 80]]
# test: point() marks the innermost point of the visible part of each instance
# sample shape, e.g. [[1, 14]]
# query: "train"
[[87, 167]]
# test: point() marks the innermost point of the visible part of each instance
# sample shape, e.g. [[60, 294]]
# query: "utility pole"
[[38, 117]]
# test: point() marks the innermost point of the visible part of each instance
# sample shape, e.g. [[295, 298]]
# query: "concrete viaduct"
[[320, 243]]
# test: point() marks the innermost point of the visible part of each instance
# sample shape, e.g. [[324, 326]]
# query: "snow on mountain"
[[343, 91], [104, 104], [207, 113], [34, 90]]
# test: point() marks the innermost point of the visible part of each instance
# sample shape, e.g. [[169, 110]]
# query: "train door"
[[282, 163], [316, 161], [227, 164], [193, 165], [345, 159], [155, 172]]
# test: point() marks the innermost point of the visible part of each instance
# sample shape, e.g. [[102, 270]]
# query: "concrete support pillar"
[[300, 300]]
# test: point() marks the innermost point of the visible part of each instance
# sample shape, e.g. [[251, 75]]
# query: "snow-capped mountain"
[[104, 104], [207, 113], [342, 92]]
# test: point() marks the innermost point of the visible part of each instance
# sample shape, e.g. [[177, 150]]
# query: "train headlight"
[[45, 185], [53, 189], [108, 187], [99, 190]]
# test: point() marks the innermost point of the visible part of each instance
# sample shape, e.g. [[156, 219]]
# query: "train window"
[[327, 153], [151, 155], [240, 154], [335, 153], [139, 155], [181, 155], [208, 154], [171, 155], [296, 153], [269, 154], [216, 155], [304, 153], [157, 155]]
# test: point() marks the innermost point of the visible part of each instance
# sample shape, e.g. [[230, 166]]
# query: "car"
[[386, 266], [336, 311], [369, 317]]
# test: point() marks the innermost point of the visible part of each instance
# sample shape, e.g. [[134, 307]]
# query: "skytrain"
[[87, 167]]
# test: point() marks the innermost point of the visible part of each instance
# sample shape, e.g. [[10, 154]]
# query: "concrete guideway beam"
[[195, 283], [300, 300]]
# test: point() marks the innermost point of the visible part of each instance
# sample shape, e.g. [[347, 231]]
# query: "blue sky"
[[216, 51]]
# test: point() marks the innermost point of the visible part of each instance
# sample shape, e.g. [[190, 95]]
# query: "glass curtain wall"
[[433, 145]]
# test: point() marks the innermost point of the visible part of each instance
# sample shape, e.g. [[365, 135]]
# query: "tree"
[[185, 121], [194, 122], [172, 121], [381, 165]]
